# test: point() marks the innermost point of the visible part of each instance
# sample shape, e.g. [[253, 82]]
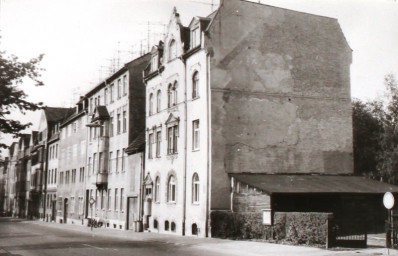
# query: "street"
[[19, 237]]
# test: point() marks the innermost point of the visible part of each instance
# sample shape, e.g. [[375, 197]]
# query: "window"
[[155, 224], [103, 199], [158, 101], [195, 188], [172, 50], [124, 119], [116, 200], [112, 93], [99, 100], [90, 165], [110, 162], [119, 89], [175, 93], [121, 199], [170, 96], [150, 104], [154, 62], [150, 146], [95, 163], [100, 156], [91, 105], [118, 123], [106, 96], [158, 142], [195, 85], [110, 199], [171, 195], [61, 177], [173, 226], [55, 178], [166, 225], [117, 160], [111, 124], [172, 135], [80, 205], [125, 85], [72, 204], [123, 159], [195, 37], [195, 135], [157, 190]]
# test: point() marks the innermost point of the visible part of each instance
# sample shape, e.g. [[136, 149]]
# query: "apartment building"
[[70, 173], [115, 111]]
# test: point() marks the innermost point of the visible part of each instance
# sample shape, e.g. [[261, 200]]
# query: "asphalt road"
[[18, 237], [21, 238]]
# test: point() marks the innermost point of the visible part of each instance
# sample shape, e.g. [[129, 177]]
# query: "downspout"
[[207, 228], [141, 185], [185, 150]]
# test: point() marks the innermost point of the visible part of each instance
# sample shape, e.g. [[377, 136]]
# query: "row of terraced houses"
[[247, 110]]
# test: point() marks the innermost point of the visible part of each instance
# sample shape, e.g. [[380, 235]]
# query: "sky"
[[84, 40]]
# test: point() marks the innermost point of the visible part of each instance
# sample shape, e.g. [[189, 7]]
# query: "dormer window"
[[172, 50], [154, 62], [195, 37]]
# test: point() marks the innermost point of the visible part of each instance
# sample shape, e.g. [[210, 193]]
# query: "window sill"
[[196, 150], [196, 203], [195, 98], [171, 203]]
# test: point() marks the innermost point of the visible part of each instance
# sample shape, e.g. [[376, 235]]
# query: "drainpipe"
[[208, 146], [141, 203], [184, 210]]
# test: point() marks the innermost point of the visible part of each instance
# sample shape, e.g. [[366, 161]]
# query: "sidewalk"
[[230, 247]]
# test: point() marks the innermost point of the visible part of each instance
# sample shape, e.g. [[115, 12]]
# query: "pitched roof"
[[279, 183], [138, 144], [57, 114]]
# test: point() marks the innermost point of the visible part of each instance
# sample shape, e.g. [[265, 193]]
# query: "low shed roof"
[[275, 183]]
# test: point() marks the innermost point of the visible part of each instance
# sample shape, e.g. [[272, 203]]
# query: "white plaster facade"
[[186, 213]]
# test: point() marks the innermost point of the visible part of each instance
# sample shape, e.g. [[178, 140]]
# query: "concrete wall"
[[280, 93]]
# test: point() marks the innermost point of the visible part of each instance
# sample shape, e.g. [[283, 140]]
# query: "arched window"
[[150, 104], [195, 188], [195, 85], [155, 223], [171, 194], [158, 101], [175, 93], [173, 226], [157, 190], [170, 96], [172, 50], [166, 225]]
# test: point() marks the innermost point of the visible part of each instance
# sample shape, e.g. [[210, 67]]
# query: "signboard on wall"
[[267, 217]]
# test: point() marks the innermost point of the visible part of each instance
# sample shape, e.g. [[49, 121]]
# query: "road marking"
[[94, 247]]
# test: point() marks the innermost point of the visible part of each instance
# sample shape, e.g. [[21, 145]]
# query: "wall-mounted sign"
[[388, 200], [267, 217]]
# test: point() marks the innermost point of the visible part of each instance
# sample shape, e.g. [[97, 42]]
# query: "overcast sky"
[[84, 39]]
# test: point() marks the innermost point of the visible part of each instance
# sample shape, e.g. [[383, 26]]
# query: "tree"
[[13, 73], [388, 154], [367, 129]]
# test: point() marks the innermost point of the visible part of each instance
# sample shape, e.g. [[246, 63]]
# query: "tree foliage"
[[375, 130], [13, 73]]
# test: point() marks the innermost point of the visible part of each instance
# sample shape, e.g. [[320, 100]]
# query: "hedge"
[[293, 227]]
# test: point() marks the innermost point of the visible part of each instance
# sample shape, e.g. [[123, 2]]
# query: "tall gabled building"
[[250, 89]]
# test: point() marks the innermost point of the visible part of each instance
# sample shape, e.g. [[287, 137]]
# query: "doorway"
[[65, 210]]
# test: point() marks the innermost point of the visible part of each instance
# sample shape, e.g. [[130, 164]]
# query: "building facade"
[[70, 202], [116, 117]]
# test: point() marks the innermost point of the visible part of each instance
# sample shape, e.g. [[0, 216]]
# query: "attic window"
[[154, 62], [172, 50], [195, 37]]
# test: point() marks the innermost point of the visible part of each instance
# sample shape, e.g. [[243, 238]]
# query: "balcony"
[[100, 180]]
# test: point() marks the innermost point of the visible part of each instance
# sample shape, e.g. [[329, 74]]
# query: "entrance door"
[[132, 212], [65, 210], [54, 209], [87, 202]]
